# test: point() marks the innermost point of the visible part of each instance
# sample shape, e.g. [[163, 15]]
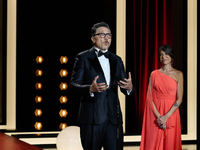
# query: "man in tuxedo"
[[96, 76]]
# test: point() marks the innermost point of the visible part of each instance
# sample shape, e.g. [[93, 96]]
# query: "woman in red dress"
[[161, 128]]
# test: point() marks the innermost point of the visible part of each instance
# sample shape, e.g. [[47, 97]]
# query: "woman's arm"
[[156, 111]]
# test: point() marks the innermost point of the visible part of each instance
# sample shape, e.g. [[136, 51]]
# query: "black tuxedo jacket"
[[96, 109]]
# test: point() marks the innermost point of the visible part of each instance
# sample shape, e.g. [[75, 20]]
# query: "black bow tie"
[[100, 53]]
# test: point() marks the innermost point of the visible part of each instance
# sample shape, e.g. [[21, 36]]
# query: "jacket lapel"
[[96, 65]]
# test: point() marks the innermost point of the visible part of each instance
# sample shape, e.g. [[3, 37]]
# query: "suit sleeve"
[[76, 83]]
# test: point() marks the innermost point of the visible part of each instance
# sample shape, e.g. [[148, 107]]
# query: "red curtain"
[[152, 27]]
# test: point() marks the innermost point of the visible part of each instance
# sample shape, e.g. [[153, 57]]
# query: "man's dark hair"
[[97, 25], [167, 49]]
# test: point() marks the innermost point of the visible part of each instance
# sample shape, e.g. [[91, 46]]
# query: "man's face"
[[102, 39]]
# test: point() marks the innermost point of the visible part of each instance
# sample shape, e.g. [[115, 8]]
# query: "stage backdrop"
[[150, 24], [52, 29]]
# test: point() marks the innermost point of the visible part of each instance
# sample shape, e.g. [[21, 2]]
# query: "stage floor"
[[184, 147], [13, 143]]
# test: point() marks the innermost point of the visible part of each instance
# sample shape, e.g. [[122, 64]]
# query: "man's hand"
[[127, 84], [98, 87]]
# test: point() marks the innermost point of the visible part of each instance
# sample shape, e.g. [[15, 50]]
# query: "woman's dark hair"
[[97, 25], [167, 49]]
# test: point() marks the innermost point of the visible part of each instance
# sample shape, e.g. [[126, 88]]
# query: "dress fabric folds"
[[162, 90]]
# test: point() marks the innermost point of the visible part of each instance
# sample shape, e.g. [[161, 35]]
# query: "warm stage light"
[[38, 99], [38, 86], [38, 112], [63, 113], [39, 72], [62, 126], [63, 59], [63, 86], [39, 59], [63, 73], [38, 125], [63, 99]]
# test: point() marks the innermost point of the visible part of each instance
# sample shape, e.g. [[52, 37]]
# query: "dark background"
[[52, 29]]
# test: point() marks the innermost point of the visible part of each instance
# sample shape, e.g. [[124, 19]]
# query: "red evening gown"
[[162, 90]]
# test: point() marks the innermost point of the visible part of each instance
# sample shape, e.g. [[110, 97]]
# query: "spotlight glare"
[[62, 126], [63, 99], [63, 73], [38, 112], [38, 99], [63, 113], [63, 59], [38, 86], [63, 86], [39, 59], [38, 125], [39, 72]]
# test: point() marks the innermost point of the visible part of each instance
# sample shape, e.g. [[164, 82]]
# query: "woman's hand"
[[162, 121]]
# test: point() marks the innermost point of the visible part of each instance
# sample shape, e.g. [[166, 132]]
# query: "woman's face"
[[165, 58]]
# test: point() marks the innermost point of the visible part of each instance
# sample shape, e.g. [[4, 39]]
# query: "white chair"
[[69, 139]]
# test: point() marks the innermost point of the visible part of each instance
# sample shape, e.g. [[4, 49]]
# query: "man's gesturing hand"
[[98, 87], [127, 84]]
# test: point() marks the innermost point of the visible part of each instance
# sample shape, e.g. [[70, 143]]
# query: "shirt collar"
[[99, 49]]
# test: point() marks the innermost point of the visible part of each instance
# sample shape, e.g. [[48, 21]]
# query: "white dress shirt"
[[105, 65]]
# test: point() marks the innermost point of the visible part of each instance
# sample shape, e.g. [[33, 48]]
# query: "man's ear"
[[93, 39]]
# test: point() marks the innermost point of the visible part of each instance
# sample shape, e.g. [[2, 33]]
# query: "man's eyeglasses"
[[103, 35]]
